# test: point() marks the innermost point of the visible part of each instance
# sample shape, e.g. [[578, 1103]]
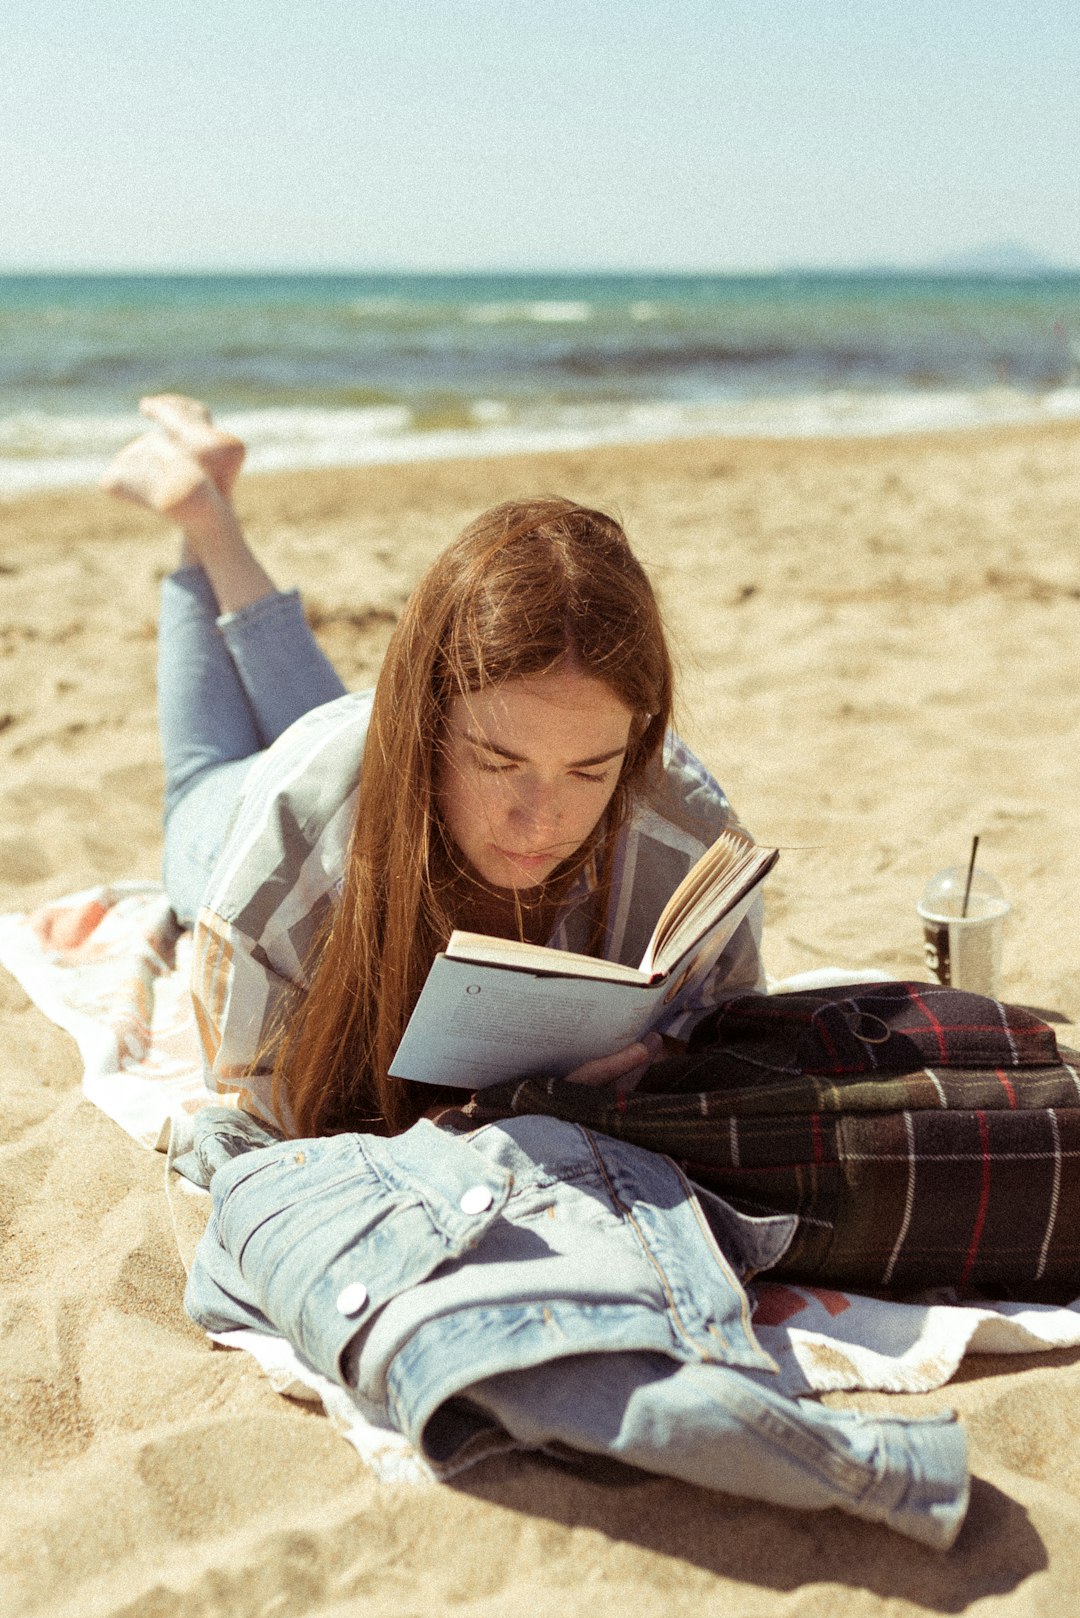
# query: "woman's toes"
[[155, 473], [169, 408], [190, 424]]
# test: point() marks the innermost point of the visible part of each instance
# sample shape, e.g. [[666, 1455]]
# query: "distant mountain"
[[1004, 258], [995, 258]]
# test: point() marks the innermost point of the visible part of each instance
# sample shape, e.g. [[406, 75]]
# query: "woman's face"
[[527, 769]]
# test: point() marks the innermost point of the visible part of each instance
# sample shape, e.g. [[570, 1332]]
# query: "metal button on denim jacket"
[[436, 1258]]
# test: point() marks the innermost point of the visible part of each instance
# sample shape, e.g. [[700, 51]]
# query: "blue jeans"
[[227, 687], [531, 1283]]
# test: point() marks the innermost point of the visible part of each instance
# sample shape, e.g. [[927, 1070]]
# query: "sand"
[[878, 643]]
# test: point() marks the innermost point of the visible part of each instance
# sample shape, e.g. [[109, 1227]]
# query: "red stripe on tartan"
[[858, 1068], [984, 1200], [1007, 1087], [935, 1025], [823, 1035], [815, 1136]]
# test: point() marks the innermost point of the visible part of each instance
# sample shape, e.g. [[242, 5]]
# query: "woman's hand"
[[623, 1068]]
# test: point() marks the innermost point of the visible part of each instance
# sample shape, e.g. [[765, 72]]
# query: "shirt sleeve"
[[239, 999], [268, 896], [738, 970]]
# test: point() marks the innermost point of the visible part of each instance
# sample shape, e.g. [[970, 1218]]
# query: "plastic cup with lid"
[[963, 950]]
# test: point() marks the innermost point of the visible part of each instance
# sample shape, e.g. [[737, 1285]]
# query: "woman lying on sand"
[[518, 778], [530, 1282]]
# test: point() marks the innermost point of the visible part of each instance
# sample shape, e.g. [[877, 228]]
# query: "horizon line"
[[941, 270]]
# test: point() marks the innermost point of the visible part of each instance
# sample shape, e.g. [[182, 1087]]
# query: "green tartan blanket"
[[942, 1176]]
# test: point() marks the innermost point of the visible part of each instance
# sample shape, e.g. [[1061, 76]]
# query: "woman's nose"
[[537, 804]]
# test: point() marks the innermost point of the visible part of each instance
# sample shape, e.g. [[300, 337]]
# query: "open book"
[[495, 1008]]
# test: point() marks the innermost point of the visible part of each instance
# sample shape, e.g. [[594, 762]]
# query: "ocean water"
[[347, 369]]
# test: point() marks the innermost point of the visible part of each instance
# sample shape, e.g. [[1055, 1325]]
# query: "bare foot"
[[190, 424], [160, 472], [155, 472]]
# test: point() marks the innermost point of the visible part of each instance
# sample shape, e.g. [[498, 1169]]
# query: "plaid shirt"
[[281, 871], [965, 1176]]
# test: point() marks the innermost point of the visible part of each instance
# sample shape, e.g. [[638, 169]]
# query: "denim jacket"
[[444, 1270]]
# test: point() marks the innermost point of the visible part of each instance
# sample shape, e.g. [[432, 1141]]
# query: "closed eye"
[[506, 769]]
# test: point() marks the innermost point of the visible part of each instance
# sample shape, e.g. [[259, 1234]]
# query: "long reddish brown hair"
[[526, 587]]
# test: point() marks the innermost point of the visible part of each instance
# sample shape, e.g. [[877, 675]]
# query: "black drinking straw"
[[970, 874]]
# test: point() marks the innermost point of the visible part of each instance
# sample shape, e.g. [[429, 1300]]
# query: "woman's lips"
[[528, 860]]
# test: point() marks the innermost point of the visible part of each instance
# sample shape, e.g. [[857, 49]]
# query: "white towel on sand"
[[109, 965]]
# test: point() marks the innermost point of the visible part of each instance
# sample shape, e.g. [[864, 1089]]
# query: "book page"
[[477, 1025], [684, 976], [513, 953], [726, 871], [698, 921], [719, 863]]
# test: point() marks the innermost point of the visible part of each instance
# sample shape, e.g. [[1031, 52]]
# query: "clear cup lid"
[[944, 894]]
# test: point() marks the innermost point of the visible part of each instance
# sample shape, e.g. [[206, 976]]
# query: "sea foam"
[[41, 452]]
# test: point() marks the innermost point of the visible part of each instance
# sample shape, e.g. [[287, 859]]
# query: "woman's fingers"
[[626, 1065], [606, 1069]]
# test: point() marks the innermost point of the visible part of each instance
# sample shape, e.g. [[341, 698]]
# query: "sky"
[[697, 135]]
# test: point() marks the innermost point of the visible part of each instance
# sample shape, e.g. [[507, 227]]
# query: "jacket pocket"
[[324, 1233]]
